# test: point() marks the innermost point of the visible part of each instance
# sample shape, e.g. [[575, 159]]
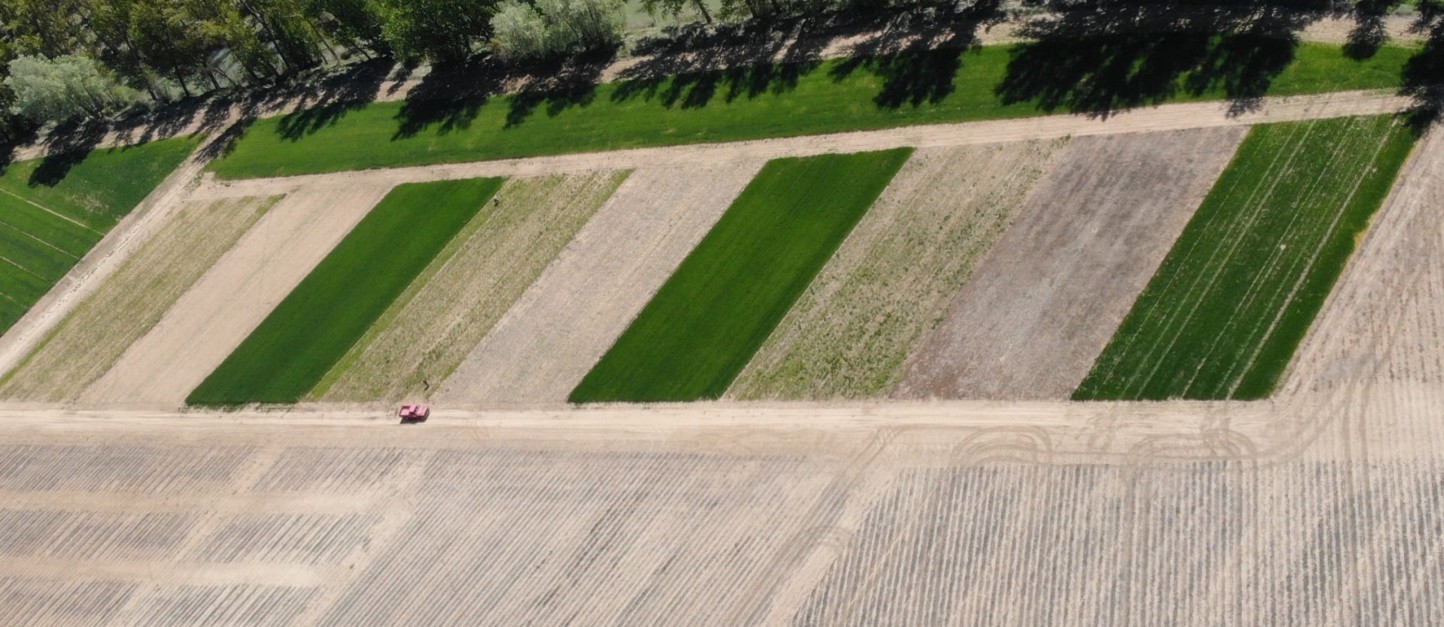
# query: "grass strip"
[[1230, 304], [54, 210], [778, 101], [726, 297], [336, 303]]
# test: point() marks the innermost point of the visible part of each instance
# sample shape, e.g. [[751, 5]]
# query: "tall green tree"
[[440, 30]]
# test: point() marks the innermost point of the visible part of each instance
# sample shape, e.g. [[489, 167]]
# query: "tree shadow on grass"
[[1368, 34], [1113, 55], [1424, 72], [68, 146]]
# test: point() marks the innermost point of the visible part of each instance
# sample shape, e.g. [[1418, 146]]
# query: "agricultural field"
[[1035, 314], [432, 327], [234, 296], [770, 100], [566, 321], [894, 277], [1236, 295], [126, 306], [727, 296], [308, 332], [54, 210]]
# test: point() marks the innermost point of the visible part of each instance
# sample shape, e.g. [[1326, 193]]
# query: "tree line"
[[63, 60]]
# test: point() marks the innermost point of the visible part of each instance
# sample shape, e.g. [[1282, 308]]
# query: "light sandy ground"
[[226, 304], [132, 300], [893, 279], [1036, 314], [567, 320], [432, 328]]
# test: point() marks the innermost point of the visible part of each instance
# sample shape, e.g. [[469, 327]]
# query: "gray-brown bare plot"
[[456, 301], [1036, 314], [895, 275], [99, 330], [575, 311]]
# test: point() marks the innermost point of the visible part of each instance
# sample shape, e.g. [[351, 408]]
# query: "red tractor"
[[414, 412]]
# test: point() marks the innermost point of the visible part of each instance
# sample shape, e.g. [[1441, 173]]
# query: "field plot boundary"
[[430, 330], [101, 260], [333, 306], [1274, 219], [99, 329], [704, 324], [571, 315], [232, 297]]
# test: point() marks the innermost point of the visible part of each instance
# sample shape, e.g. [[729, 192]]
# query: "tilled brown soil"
[[1036, 314]]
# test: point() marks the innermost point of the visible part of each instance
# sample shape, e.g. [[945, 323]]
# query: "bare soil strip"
[[99, 330], [452, 305], [1036, 314], [893, 279], [1163, 118], [569, 318], [226, 304]]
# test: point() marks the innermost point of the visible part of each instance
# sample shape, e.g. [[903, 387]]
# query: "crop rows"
[[323, 317], [1235, 296], [128, 469], [49, 221], [727, 296]]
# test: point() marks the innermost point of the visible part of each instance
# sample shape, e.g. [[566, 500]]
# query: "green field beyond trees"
[[336, 303], [785, 100], [727, 296], [1235, 296], [54, 210]]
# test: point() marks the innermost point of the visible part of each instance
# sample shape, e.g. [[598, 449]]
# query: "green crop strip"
[[801, 99], [336, 303], [54, 210], [1234, 298], [727, 296]]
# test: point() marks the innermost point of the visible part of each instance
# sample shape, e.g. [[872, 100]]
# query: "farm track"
[[432, 327], [1157, 119], [893, 278], [232, 298], [1038, 311], [574, 312]]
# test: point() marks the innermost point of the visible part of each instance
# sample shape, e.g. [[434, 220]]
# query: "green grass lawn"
[[726, 297], [789, 100], [50, 216], [300, 341], [1233, 299]]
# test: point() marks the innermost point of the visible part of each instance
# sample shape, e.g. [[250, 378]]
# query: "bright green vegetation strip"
[[727, 296], [1235, 296], [54, 210], [779, 101], [332, 307], [88, 342]]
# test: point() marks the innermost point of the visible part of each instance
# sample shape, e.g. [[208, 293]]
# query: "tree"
[[441, 30], [552, 27], [63, 89], [352, 23], [676, 7]]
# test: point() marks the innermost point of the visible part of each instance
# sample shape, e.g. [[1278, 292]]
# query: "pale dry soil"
[[892, 280], [569, 318], [123, 308], [455, 302], [197, 333], [1033, 318]]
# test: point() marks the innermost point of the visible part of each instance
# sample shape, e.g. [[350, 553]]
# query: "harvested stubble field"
[[308, 332], [128, 304], [213, 317], [566, 321], [50, 219], [1234, 298], [1036, 313], [727, 296], [431, 328], [892, 280]]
